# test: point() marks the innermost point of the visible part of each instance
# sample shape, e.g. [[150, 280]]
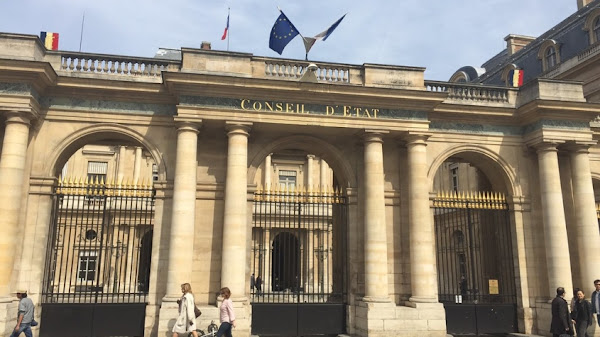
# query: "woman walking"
[[227, 316], [186, 321], [582, 314]]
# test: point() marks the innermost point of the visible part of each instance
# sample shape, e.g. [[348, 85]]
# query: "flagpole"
[[81, 35], [228, 29]]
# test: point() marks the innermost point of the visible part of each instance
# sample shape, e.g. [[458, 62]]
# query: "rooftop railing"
[[290, 69], [470, 92], [116, 65]]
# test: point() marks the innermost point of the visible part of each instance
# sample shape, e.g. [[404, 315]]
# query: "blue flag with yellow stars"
[[282, 33]]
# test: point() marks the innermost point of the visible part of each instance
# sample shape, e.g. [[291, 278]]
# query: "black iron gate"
[[98, 265], [476, 277], [299, 262]]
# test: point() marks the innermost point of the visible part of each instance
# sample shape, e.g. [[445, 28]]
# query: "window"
[[550, 57], [287, 179], [454, 177], [596, 29], [87, 265], [97, 170], [459, 237], [154, 172]]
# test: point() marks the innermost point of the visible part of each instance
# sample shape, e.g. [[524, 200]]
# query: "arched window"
[[596, 29]]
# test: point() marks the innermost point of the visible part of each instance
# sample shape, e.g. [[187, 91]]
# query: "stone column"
[[586, 221], [422, 243], [12, 174], [122, 160], [323, 178], [553, 214], [181, 237], [267, 272], [233, 266], [375, 243], [309, 171], [137, 165], [268, 170]]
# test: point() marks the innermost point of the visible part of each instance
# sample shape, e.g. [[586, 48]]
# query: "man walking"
[[596, 301], [24, 315], [560, 315], [252, 282]]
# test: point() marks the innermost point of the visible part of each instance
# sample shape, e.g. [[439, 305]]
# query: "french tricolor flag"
[[50, 40], [226, 29], [515, 78]]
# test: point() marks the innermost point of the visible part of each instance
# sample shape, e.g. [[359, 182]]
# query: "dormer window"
[[549, 54], [596, 29], [592, 26]]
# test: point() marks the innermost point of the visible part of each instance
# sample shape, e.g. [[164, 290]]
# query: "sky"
[[440, 35]]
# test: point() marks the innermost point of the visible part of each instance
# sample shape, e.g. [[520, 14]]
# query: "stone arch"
[[76, 140], [346, 176], [497, 170]]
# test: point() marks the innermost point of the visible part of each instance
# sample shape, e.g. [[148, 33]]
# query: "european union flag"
[[282, 33]]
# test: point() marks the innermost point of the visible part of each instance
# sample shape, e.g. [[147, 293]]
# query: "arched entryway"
[[474, 245], [100, 240], [298, 252]]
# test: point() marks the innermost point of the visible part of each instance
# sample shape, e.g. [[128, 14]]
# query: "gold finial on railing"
[[257, 193], [276, 193], [59, 185]]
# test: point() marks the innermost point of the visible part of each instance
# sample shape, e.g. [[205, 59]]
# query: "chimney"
[[515, 42], [582, 3], [205, 45]]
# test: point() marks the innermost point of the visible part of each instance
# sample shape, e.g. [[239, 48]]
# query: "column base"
[[410, 320], [8, 315], [169, 311]]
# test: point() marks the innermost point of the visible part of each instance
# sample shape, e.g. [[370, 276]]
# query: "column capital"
[[373, 135], [187, 125], [310, 156], [546, 147], [414, 138], [234, 128], [579, 146], [21, 117]]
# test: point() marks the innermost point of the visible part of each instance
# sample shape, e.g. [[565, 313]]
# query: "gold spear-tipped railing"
[[470, 199], [100, 188], [300, 194]]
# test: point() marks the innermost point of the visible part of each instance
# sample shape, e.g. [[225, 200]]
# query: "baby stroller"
[[212, 331]]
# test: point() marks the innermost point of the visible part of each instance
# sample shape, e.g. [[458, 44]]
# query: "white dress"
[[186, 315]]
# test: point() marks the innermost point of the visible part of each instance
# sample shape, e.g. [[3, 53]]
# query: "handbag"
[[197, 312], [33, 322]]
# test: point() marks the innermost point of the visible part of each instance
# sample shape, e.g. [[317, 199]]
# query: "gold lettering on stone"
[[299, 108]]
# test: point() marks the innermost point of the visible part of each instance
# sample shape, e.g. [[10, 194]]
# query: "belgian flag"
[[50, 40]]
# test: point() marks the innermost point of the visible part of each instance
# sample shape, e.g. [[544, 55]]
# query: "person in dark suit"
[[561, 324], [596, 301], [582, 314]]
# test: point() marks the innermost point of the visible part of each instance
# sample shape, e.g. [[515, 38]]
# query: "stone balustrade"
[[291, 69], [470, 92], [117, 65]]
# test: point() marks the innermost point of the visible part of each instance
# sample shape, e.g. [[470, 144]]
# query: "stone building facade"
[[410, 204]]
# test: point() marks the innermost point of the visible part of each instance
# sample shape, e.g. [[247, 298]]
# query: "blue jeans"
[[23, 328], [224, 330]]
